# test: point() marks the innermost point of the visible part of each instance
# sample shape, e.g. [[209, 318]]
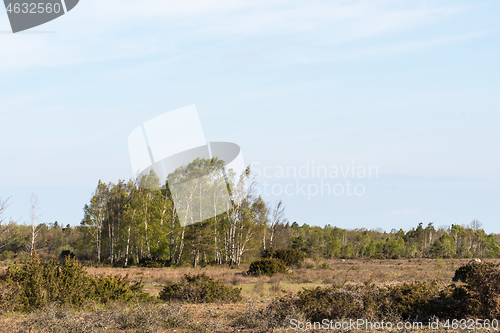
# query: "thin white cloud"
[[106, 30]]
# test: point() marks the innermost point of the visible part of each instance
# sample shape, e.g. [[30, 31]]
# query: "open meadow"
[[311, 274]]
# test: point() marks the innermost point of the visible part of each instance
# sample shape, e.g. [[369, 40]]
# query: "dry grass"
[[356, 271], [243, 317], [155, 278]]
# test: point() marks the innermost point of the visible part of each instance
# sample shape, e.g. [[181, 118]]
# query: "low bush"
[[39, 283], [281, 310], [378, 256], [476, 296], [115, 288], [267, 266], [7, 255], [276, 315], [200, 289], [290, 257], [479, 296], [474, 273], [9, 298], [153, 263], [331, 302], [412, 299]]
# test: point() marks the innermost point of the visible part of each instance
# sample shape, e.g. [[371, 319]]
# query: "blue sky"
[[408, 87]]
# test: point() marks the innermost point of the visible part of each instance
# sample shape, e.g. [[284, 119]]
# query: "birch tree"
[[277, 218], [242, 221], [34, 227], [95, 214]]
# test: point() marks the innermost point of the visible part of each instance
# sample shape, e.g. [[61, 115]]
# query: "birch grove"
[[139, 221]]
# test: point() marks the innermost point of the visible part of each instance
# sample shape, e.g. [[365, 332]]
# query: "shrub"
[[309, 265], [473, 273], [9, 298], [200, 289], [152, 263], [477, 297], [290, 257], [480, 294], [412, 299], [106, 288], [267, 266], [281, 310], [331, 302], [66, 253], [277, 314], [336, 302], [7, 255], [325, 266], [378, 256], [42, 282]]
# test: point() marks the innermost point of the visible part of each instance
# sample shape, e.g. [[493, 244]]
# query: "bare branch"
[[277, 218], [476, 225], [3, 207], [4, 229], [345, 278]]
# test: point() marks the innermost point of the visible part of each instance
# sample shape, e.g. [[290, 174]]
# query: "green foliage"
[[7, 255], [117, 288], [394, 246], [200, 289], [43, 282], [9, 298], [267, 266], [125, 224], [410, 299], [290, 257], [443, 247]]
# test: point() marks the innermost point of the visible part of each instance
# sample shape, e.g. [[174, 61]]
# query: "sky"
[[310, 91]]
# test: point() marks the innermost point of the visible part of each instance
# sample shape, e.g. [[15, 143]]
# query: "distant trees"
[[210, 241], [456, 241], [443, 247], [138, 222]]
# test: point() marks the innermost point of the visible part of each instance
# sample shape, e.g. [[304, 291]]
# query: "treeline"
[[445, 242], [125, 224]]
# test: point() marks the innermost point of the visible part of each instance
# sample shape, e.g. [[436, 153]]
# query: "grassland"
[[257, 293]]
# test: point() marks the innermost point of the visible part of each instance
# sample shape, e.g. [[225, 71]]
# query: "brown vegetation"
[[268, 302]]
